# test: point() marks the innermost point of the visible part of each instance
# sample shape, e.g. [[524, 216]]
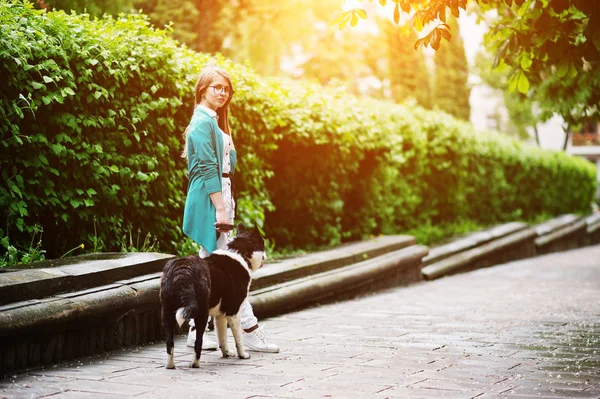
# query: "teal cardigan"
[[205, 169]]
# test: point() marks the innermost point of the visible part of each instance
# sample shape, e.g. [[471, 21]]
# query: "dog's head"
[[251, 245]]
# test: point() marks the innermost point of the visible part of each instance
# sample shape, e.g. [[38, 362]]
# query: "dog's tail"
[[182, 315]]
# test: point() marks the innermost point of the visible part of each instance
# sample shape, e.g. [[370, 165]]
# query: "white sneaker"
[[258, 341], [208, 344]]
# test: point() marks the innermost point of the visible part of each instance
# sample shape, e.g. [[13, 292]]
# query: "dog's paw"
[[195, 364], [227, 354], [244, 355], [170, 366]]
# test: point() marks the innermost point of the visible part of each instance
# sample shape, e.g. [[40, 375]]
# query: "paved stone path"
[[528, 329]]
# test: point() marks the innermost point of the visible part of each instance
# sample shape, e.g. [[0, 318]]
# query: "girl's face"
[[217, 93]]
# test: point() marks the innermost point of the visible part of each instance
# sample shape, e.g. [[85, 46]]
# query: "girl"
[[211, 161]]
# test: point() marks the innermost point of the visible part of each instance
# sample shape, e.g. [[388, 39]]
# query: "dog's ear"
[[256, 232], [241, 228]]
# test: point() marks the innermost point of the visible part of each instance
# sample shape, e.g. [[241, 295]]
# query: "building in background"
[[586, 144]]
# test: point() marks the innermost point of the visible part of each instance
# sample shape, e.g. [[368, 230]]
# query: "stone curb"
[[566, 233], [593, 229], [290, 269], [392, 269], [83, 324], [81, 308], [509, 242], [556, 223], [515, 246], [29, 284], [473, 240], [593, 222]]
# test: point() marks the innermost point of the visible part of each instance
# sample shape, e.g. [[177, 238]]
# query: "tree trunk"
[[567, 133], [537, 135]]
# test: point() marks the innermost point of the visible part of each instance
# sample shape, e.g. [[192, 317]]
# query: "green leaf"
[[63, 137], [23, 209], [523, 84], [13, 187], [562, 69], [37, 85], [526, 61], [57, 148], [75, 203], [572, 70], [142, 176], [512, 82], [47, 79], [20, 224]]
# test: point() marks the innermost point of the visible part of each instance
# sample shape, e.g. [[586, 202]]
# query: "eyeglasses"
[[218, 89]]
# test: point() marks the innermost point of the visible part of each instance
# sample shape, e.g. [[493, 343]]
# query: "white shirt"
[[211, 112]]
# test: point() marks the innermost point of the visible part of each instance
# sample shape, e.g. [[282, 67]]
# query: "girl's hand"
[[222, 218]]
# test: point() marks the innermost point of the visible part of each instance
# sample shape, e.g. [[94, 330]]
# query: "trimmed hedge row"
[[92, 113]]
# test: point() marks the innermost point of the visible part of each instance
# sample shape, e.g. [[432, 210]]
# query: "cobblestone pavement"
[[528, 329]]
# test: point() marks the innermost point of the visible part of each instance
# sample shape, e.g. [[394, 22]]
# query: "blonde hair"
[[206, 77]]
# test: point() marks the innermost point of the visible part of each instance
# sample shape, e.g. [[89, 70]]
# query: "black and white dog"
[[194, 288]]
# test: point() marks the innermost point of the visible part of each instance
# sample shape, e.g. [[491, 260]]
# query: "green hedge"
[[91, 121]]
